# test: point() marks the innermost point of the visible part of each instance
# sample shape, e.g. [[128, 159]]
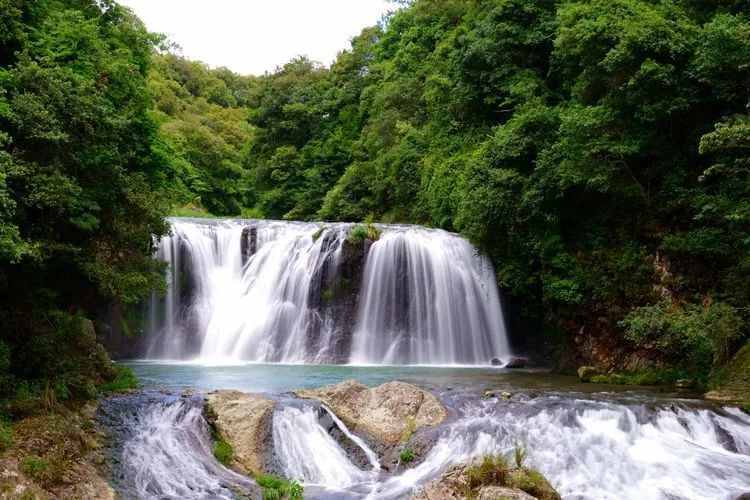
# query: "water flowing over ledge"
[[291, 292]]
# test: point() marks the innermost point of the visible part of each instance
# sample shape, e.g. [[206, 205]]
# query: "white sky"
[[255, 36]]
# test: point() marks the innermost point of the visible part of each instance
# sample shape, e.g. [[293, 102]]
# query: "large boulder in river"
[[243, 421], [475, 481], [385, 413]]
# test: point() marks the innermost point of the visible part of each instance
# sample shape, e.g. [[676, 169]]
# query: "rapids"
[[593, 447]]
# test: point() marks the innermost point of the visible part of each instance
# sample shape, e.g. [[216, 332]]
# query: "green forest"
[[598, 151]]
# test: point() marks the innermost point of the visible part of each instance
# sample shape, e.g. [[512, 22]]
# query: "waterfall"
[[291, 292]]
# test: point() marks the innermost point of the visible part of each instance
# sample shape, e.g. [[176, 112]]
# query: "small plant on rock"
[[406, 456]]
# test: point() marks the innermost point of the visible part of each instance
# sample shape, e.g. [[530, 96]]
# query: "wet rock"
[[744, 496], [518, 362], [586, 373], [249, 242], [496, 362], [384, 413], [243, 421], [503, 493]]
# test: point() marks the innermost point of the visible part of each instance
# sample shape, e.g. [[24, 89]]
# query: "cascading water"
[[267, 291], [589, 449]]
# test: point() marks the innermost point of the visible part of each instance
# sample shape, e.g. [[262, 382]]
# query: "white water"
[[425, 300], [587, 450], [427, 297], [372, 457], [308, 453], [169, 455]]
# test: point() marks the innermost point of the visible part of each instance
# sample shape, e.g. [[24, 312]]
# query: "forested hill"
[[597, 151]]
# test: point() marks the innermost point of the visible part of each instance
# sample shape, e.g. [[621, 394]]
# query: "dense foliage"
[[79, 197], [596, 150]]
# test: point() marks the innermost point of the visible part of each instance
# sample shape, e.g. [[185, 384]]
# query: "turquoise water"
[[280, 378]]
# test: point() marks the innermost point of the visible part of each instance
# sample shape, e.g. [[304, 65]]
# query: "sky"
[[252, 37]]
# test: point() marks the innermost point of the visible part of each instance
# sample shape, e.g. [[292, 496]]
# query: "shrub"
[[491, 470], [223, 452], [361, 232], [276, 488], [698, 336], [35, 467], [406, 456]]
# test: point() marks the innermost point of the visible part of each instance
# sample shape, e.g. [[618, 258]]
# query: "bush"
[[276, 488], [223, 452], [695, 336], [361, 232]]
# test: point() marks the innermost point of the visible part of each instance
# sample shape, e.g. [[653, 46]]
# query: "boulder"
[[502, 493], [384, 413], [519, 484], [518, 362], [243, 421], [586, 373], [496, 362]]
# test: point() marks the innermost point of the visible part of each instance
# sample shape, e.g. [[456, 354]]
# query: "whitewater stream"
[[271, 307]]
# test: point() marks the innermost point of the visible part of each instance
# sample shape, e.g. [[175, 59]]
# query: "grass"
[[124, 380], [277, 488], [223, 452], [406, 456], [34, 466]]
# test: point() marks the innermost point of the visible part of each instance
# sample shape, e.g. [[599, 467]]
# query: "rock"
[[243, 421], [383, 413], [502, 493], [743, 496], [451, 485], [496, 362], [684, 383], [520, 484], [518, 362], [586, 373], [248, 242]]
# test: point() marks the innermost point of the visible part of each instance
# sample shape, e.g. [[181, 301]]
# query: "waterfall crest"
[[292, 292]]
